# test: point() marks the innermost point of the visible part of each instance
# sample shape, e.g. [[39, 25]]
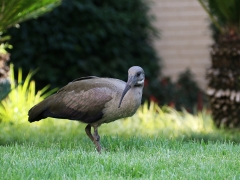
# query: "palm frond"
[[16, 11], [224, 14]]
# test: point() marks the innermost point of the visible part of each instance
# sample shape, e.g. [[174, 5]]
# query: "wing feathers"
[[75, 104]]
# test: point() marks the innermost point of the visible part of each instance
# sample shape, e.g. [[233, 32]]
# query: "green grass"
[[132, 158], [153, 144], [166, 145]]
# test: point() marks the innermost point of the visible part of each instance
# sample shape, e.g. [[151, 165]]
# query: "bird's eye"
[[138, 74]]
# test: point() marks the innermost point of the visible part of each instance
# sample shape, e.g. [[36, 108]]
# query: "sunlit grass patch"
[[152, 120]]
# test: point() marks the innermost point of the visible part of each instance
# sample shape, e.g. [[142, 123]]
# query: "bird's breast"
[[129, 106]]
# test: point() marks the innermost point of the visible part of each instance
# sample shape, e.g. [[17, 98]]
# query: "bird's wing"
[[80, 100]]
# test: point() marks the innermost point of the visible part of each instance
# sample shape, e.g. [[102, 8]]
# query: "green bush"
[[86, 37], [184, 93]]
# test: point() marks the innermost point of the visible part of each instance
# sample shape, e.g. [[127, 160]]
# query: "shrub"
[[184, 93], [86, 37], [101, 38]]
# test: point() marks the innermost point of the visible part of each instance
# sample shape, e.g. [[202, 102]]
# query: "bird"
[[93, 100]]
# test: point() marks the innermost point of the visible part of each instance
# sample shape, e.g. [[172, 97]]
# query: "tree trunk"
[[224, 82]]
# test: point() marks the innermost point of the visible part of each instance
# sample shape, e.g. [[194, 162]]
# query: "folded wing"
[[80, 100]]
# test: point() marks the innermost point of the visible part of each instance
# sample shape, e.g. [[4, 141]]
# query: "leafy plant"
[[225, 15], [22, 97], [16, 11]]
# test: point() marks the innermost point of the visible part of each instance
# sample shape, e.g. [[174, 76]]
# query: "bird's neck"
[[135, 94]]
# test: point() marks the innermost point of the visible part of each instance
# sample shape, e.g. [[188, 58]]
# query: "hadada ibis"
[[94, 101]]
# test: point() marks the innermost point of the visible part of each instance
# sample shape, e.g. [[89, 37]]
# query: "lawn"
[[125, 158], [156, 143]]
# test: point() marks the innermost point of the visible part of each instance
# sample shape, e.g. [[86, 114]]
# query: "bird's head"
[[135, 79]]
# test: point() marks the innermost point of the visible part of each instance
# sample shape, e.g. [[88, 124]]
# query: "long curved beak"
[[131, 82]]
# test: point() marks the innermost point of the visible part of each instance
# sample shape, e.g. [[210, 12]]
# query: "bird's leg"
[[88, 132], [97, 139]]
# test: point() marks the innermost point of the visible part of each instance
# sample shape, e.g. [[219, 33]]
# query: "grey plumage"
[[94, 101]]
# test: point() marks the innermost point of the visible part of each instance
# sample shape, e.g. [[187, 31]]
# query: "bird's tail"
[[36, 113]]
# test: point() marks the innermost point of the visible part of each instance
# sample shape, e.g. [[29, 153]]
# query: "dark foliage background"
[[184, 93], [86, 37], [95, 37]]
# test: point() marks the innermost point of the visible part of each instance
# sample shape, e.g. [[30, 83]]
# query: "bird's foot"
[[97, 143], [99, 148]]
